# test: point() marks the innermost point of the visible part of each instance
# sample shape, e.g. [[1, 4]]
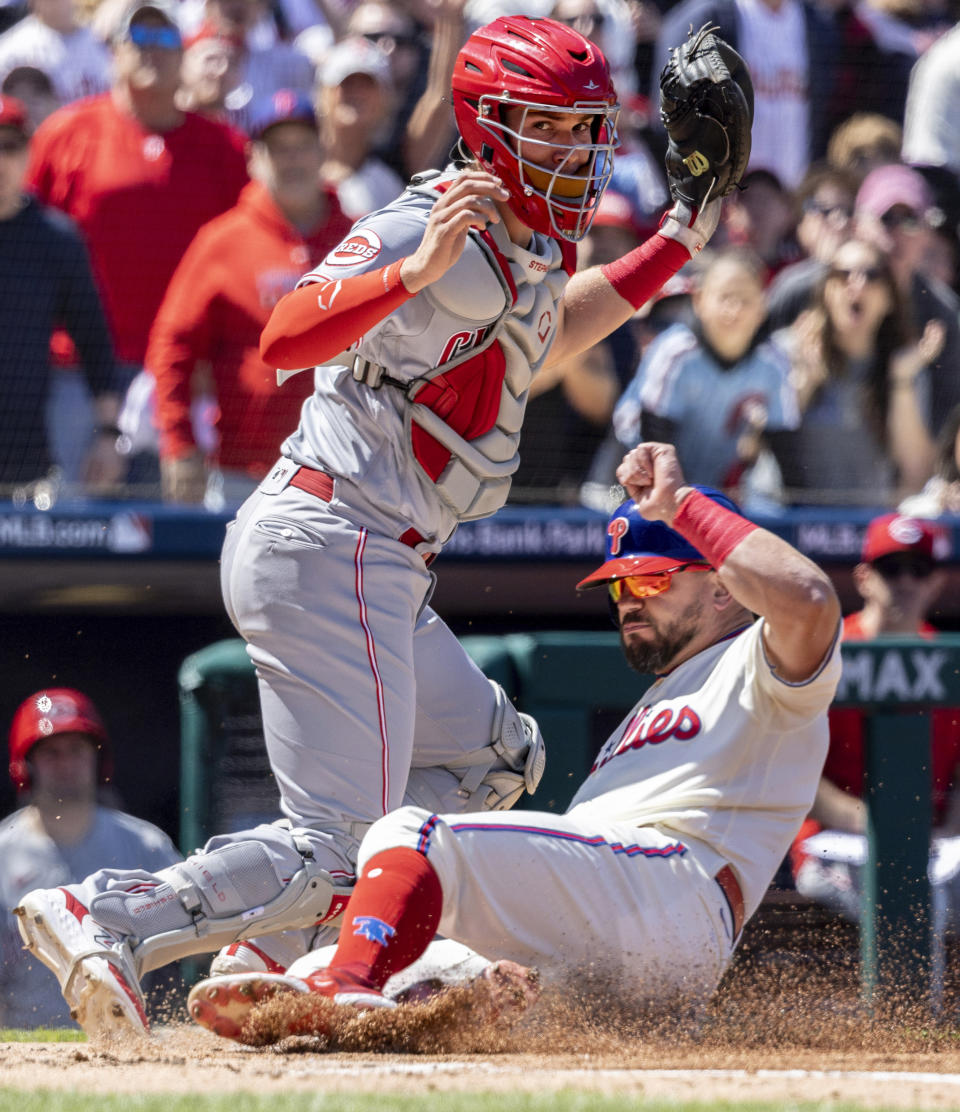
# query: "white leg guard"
[[491, 778], [267, 879]]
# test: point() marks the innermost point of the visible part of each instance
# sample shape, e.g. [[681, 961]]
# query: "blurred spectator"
[[210, 71], [899, 580], [34, 89], [761, 216], [420, 53], [60, 761], [45, 281], [610, 24], [637, 174], [789, 47], [862, 143], [894, 209], [854, 365], [567, 422], [941, 493], [138, 175], [823, 213], [408, 49], [880, 40], [11, 12], [237, 268], [266, 62], [710, 388], [355, 105], [424, 138], [931, 130], [51, 39]]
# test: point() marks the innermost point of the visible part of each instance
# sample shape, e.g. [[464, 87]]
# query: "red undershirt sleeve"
[[322, 319]]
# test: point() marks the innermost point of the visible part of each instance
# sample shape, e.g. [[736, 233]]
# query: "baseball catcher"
[[706, 105]]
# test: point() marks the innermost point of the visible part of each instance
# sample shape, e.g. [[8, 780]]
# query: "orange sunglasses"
[[646, 586]]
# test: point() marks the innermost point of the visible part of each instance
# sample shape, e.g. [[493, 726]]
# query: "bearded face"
[[652, 644]]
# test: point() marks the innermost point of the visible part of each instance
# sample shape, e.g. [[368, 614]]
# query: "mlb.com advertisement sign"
[[121, 533]]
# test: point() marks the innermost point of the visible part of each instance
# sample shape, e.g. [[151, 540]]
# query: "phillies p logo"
[[616, 531]]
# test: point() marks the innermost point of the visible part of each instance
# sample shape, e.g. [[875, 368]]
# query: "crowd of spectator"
[[150, 219]]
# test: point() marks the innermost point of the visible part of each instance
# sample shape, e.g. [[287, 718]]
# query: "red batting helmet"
[[538, 65], [55, 710]]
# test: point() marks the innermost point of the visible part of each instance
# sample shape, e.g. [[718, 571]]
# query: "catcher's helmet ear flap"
[[537, 65], [55, 710]]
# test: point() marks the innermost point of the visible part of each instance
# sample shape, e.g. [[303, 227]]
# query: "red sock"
[[393, 914]]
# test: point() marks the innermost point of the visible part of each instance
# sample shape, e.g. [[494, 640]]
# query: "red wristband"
[[638, 275], [711, 528]]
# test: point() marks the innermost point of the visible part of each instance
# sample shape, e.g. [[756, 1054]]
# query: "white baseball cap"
[[354, 55]]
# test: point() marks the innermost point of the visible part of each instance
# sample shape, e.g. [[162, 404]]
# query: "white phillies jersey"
[[395, 463], [724, 754]]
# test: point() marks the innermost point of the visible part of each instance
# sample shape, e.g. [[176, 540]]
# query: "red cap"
[[13, 113], [55, 710], [897, 533]]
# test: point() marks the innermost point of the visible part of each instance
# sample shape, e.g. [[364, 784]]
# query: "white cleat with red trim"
[[243, 957], [93, 965]]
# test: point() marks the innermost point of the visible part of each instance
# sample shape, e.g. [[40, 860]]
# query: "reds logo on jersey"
[[460, 342], [360, 247], [647, 728]]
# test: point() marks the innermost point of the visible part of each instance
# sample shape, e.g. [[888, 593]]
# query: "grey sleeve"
[[373, 242]]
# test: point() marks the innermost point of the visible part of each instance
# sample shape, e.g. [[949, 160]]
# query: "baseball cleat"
[[93, 965], [222, 1004], [243, 957], [342, 987]]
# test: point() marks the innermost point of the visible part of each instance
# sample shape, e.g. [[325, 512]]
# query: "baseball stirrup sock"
[[392, 916]]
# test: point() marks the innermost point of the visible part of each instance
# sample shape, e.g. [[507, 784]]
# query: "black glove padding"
[[706, 105]]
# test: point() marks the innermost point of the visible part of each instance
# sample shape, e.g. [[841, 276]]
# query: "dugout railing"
[[578, 687]]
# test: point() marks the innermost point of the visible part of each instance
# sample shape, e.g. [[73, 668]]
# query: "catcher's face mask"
[[568, 191], [537, 66]]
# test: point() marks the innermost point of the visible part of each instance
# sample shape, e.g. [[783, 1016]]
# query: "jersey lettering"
[[544, 325], [460, 342], [647, 728]]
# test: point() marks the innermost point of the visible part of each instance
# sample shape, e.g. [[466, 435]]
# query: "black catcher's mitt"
[[706, 105]]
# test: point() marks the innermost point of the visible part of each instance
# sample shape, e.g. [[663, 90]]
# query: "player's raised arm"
[[760, 570], [706, 105], [322, 319]]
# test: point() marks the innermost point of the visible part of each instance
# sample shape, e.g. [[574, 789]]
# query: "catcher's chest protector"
[[463, 418]]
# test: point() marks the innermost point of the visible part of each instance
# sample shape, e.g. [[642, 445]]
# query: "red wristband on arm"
[[641, 272], [321, 319], [711, 528]]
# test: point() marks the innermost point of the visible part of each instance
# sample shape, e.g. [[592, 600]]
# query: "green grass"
[[563, 1101], [42, 1034]]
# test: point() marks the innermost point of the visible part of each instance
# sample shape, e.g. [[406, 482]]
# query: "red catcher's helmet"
[[538, 65], [55, 710]]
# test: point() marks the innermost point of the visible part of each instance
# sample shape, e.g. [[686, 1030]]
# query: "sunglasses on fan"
[[646, 586]]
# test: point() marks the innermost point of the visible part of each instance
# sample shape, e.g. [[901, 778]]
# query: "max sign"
[[895, 675]]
